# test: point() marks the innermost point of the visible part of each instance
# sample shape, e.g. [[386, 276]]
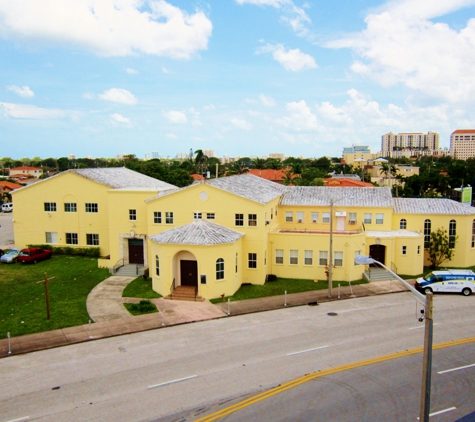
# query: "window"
[[252, 260], [452, 233], [239, 219], [71, 238], [325, 217], [404, 250], [289, 216], [300, 217], [157, 265], [403, 224], [279, 256], [418, 249], [197, 216], [252, 220], [338, 259], [357, 253], [368, 218], [379, 218], [70, 207], [210, 216], [90, 207], [50, 206], [169, 217], [323, 258], [352, 218], [294, 257], [92, 239], [271, 213], [157, 217], [314, 217], [52, 237], [427, 227], [132, 215], [236, 263], [473, 234], [220, 269], [308, 258]]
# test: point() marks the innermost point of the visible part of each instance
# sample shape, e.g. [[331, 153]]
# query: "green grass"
[[141, 288], [141, 308], [278, 287], [22, 301]]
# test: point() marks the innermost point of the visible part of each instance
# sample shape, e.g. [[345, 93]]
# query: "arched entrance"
[[186, 269], [378, 252]]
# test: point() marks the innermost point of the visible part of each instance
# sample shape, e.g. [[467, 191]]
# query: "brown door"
[[378, 253], [136, 251], [189, 273]]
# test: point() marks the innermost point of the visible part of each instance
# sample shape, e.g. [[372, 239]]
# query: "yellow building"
[[218, 234]]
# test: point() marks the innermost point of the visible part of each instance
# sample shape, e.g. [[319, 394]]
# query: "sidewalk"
[[178, 312]]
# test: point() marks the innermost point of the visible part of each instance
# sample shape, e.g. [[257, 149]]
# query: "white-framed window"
[[252, 260], [239, 219], [418, 249], [352, 218], [404, 250], [379, 218], [308, 257], [314, 217], [220, 269], [70, 207], [132, 215], [271, 213], [294, 257], [452, 233], [357, 253], [71, 238], [157, 265], [92, 239], [427, 230], [50, 206], [403, 224], [325, 217], [197, 215], [236, 262], [473, 234], [252, 220], [169, 217], [210, 215], [279, 256], [338, 259], [323, 258], [52, 238], [368, 218], [157, 217], [92, 207], [289, 216], [300, 216]]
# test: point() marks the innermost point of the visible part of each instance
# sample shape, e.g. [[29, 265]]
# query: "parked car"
[[34, 255], [1, 252], [10, 256], [7, 207]]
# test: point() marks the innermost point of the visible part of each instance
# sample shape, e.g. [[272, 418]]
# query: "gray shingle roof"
[[431, 206], [199, 232], [343, 196]]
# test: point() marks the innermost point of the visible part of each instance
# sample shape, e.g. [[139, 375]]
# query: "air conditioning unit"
[[299, 220], [351, 221], [314, 221]]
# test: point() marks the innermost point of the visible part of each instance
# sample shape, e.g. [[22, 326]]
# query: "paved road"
[[155, 374], [6, 229]]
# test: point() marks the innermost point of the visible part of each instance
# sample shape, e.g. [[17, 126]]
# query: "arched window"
[[157, 265], [452, 233], [220, 269], [403, 224], [473, 234], [427, 227]]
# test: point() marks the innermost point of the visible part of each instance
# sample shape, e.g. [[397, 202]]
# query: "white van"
[[450, 281], [7, 207]]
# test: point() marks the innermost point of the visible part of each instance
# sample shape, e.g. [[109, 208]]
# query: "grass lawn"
[[141, 288], [22, 301], [278, 287]]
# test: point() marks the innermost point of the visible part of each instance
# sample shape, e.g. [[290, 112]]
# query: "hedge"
[[67, 250]]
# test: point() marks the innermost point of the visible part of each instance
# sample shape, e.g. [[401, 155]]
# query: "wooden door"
[[189, 273]]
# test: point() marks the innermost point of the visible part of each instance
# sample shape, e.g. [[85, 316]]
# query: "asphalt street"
[[6, 229]]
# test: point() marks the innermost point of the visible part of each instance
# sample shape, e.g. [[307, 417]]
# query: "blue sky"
[[242, 77]]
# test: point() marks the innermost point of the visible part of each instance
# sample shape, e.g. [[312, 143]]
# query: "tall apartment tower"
[[462, 144], [393, 143]]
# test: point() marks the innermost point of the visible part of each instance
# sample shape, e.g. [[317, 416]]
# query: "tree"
[[440, 247]]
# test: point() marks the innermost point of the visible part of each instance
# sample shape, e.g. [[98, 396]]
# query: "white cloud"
[[209, 107], [118, 95], [241, 124], [118, 118], [131, 71], [299, 118], [267, 101], [88, 96], [195, 117], [401, 45], [175, 116], [24, 111], [293, 60], [171, 136], [108, 27], [23, 91]]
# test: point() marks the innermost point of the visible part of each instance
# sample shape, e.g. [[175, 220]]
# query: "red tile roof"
[[464, 131], [26, 168], [10, 185], [271, 174], [343, 182]]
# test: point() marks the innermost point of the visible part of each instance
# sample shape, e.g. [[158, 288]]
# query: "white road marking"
[[456, 369], [420, 326], [24, 418], [170, 382], [305, 351], [441, 411]]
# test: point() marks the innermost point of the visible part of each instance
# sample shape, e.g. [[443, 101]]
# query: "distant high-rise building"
[[182, 155], [147, 156], [356, 152], [209, 152], [462, 144], [72, 156], [155, 154], [277, 155], [412, 143]]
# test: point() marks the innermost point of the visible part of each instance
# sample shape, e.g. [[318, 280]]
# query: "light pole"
[[427, 360]]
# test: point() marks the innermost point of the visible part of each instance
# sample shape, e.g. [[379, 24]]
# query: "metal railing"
[[172, 289], [120, 263]]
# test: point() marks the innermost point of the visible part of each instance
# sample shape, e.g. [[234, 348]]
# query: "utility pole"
[[45, 282], [427, 365]]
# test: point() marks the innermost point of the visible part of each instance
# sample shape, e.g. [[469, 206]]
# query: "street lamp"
[[427, 361]]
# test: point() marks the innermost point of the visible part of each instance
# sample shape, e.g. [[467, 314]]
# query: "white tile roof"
[[342, 196], [431, 206], [199, 232], [392, 233]]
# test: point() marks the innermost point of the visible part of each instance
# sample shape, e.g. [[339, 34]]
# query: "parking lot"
[[6, 230]]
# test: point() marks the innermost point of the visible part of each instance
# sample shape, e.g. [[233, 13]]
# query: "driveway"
[[6, 230]]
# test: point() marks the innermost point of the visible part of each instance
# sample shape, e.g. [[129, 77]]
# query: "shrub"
[[271, 277], [67, 250], [143, 306]]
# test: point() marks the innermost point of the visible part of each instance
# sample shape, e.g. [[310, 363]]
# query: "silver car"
[[10, 256]]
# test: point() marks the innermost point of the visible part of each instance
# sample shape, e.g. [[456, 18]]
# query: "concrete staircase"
[[185, 293], [130, 270], [378, 274]]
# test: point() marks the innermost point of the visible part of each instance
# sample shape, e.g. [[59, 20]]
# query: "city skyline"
[[235, 76]]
